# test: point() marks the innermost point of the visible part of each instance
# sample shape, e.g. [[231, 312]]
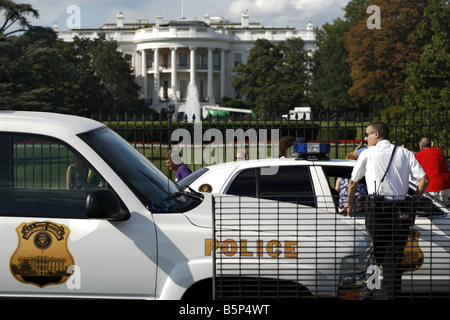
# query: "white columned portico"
[[144, 74], [173, 59], [210, 90], [156, 76], [193, 65]]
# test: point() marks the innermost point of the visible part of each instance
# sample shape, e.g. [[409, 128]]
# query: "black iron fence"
[[282, 250], [270, 249], [155, 134]]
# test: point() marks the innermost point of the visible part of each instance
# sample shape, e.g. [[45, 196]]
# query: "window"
[[290, 184], [183, 60], [192, 177], [43, 177], [244, 184], [216, 61], [237, 59], [156, 191], [165, 60], [183, 89], [149, 60]]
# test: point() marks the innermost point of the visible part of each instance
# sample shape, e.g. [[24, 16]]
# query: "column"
[[144, 74], [222, 74], [210, 90], [156, 76], [193, 66], [173, 59]]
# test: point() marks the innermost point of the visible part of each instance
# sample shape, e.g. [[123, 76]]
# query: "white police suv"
[[85, 215], [308, 180]]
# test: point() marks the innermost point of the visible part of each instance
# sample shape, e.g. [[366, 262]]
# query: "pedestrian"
[[182, 170], [433, 162], [241, 155], [342, 185], [284, 144], [387, 170]]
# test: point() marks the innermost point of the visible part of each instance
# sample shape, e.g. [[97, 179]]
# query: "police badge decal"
[[42, 256]]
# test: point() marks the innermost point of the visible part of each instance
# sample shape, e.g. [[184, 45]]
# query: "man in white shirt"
[[389, 231]]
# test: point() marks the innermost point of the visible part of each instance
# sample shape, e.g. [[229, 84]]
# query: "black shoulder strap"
[[387, 169]]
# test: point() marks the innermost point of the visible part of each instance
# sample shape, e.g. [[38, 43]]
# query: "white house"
[[167, 56]]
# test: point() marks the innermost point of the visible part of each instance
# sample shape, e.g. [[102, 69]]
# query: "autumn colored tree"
[[379, 58]]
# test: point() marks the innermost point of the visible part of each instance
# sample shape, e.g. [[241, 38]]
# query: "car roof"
[[45, 122], [278, 162]]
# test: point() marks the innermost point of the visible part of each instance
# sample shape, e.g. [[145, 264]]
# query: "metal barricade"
[[274, 249]]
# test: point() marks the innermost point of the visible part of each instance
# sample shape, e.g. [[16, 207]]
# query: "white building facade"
[[167, 56]]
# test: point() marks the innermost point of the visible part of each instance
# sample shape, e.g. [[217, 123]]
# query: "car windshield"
[[155, 190]]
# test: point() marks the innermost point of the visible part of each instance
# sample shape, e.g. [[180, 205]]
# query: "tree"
[[13, 14], [379, 57], [428, 82], [332, 72], [355, 10], [275, 78], [40, 72], [113, 73], [255, 79], [33, 73]]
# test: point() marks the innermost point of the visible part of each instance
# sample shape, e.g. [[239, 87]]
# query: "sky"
[[270, 13]]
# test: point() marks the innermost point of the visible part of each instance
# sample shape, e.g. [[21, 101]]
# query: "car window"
[[43, 177], [192, 177], [244, 184], [290, 184]]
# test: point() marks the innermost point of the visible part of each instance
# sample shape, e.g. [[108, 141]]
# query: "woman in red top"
[[433, 162]]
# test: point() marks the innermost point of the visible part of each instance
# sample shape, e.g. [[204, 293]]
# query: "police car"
[[85, 215], [308, 178]]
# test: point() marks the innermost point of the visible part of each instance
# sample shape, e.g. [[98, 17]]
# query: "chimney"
[[244, 19], [206, 18], [119, 20], [159, 19]]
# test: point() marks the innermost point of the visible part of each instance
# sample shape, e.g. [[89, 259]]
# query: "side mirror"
[[104, 204]]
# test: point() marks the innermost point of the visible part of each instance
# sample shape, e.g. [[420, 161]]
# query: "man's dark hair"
[[382, 129]]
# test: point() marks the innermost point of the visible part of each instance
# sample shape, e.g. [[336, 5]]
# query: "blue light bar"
[[306, 149]]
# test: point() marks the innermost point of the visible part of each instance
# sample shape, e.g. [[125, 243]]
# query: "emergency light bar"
[[312, 150]]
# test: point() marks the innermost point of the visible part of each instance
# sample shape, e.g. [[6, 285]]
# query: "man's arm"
[[421, 187], [352, 186]]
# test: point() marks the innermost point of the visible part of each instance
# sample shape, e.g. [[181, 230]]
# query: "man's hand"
[[347, 210]]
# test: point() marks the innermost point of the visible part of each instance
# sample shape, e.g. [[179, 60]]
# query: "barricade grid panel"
[[275, 249]]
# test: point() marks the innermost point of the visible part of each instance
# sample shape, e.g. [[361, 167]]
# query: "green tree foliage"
[[428, 82], [355, 10], [33, 73], [15, 15], [276, 77], [104, 74], [332, 72], [42, 73]]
